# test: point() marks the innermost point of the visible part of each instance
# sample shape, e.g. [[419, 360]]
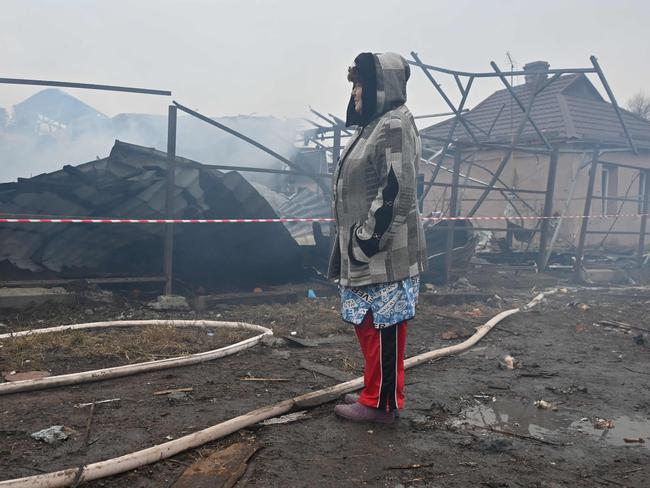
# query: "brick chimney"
[[536, 70]]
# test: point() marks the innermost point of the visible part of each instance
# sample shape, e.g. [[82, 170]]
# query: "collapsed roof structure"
[[568, 110], [556, 133], [131, 181]]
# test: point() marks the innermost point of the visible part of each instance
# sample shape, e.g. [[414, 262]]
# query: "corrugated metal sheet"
[[131, 183]]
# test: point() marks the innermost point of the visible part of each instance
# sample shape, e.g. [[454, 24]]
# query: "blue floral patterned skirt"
[[390, 303]]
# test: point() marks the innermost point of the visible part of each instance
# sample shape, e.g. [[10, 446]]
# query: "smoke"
[[42, 134]]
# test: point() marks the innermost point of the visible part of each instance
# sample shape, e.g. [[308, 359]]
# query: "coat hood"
[[383, 77]]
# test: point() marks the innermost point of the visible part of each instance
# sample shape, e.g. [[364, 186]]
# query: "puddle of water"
[[624, 427], [524, 419]]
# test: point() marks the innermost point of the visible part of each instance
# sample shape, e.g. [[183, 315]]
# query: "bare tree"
[[639, 104]]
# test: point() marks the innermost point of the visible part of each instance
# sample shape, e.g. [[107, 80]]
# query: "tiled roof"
[[569, 108]]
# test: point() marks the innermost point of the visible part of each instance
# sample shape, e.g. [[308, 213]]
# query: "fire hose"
[[128, 462]]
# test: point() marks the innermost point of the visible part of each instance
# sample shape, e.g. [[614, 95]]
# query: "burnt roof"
[[568, 109]]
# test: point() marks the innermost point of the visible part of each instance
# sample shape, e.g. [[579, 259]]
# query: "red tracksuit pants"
[[383, 375]]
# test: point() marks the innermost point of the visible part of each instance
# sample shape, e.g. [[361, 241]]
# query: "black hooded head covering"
[[383, 78]]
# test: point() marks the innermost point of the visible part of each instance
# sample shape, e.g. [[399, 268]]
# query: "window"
[[609, 190]]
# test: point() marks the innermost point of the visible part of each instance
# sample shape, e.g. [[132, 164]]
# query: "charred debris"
[[547, 173], [131, 181]]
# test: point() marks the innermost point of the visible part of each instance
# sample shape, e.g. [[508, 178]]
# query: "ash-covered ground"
[[469, 419]]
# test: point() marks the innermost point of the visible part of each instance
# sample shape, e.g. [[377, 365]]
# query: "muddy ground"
[[469, 421]]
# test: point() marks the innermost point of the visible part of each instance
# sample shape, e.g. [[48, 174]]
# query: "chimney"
[[535, 71]]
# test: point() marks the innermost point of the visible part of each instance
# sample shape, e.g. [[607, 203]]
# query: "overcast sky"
[[229, 57]]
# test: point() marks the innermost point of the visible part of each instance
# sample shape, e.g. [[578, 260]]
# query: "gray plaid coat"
[[379, 236]]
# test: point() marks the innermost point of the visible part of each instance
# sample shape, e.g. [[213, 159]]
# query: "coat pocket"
[[355, 253]]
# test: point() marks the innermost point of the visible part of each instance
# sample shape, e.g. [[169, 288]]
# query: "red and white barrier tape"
[[88, 220]]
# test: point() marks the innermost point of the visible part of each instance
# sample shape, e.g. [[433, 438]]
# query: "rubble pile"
[[131, 183]]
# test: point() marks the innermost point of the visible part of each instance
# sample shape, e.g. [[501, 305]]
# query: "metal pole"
[[548, 208], [253, 142], [169, 197], [86, 86], [612, 99], [533, 93], [565, 211], [507, 155], [336, 154], [252, 169], [453, 212], [585, 220], [457, 110], [644, 216], [494, 75], [458, 118]]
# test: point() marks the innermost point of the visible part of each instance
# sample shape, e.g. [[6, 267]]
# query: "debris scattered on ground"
[[567, 390], [53, 434], [429, 287], [538, 374], [175, 390], [639, 339], [169, 302], [603, 423], [25, 375], [100, 402], [581, 328], [475, 312], [280, 354], [273, 341], [622, 325], [494, 445], [509, 362], [454, 333], [463, 284], [495, 301], [410, 466], [485, 397], [285, 419], [461, 388], [300, 341], [253, 378], [581, 306], [328, 371], [545, 405], [221, 469], [176, 396]]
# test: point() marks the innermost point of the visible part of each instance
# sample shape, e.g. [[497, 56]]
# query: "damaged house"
[[575, 119]]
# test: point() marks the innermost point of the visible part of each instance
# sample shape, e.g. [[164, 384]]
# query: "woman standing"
[[379, 250]]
